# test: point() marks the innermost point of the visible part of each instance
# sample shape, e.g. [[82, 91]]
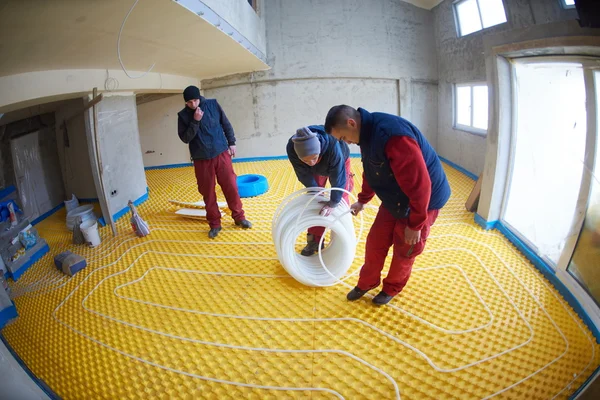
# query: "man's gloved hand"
[[327, 209]]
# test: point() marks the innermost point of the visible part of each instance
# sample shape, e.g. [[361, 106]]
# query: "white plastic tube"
[[293, 217]]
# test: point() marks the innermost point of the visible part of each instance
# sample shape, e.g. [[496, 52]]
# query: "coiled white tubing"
[[300, 211]]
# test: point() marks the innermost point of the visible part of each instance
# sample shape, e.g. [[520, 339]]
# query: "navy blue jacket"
[[376, 129], [210, 136], [332, 164]]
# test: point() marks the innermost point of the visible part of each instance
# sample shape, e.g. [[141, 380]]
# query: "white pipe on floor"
[[294, 216]]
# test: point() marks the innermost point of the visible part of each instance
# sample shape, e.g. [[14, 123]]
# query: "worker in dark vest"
[[317, 157], [404, 171], [204, 126]]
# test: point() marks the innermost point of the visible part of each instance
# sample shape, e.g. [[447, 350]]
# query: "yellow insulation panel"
[[177, 315]]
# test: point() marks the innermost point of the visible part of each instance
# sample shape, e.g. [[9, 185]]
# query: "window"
[[471, 107], [547, 158], [253, 4], [475, 15], [568, 3]]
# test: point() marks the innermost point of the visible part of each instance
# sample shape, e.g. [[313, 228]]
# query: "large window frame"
[[566, 6], [590, 65], [459, 29]]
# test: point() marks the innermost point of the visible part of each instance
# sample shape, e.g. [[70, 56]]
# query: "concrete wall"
[[31, 163], [241, 15], [74, 158], [157, 121], [324, 53], [120, 151], [462, 59], [11, 130]]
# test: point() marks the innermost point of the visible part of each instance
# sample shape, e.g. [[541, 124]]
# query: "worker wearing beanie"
[[317, 157], [203, 125]]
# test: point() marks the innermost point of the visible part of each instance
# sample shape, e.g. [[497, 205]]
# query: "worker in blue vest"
[[404, 171]]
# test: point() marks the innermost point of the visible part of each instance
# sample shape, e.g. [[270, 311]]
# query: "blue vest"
[[376, 129]]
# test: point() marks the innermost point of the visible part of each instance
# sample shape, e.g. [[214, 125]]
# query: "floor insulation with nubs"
[[177, 315]]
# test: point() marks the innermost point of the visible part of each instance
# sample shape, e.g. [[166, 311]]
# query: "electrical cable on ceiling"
[[119, 47], [110, 83]]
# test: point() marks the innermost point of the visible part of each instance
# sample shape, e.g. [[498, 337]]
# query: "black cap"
[[191, 93]]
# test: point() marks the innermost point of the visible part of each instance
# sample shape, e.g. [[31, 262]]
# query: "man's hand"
[[411, 237], [232, 151], [198, 114], [327, 208], [356, 208]]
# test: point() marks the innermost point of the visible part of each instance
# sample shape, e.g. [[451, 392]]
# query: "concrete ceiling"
[[38, 35], [426, 4]]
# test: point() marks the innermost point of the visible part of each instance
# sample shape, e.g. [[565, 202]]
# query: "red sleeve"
[[410, 171], [366, 193]]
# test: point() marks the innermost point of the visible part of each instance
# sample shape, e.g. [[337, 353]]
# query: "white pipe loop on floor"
[[294, 216]]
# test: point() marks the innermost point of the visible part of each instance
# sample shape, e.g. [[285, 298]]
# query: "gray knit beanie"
[[306, 143]]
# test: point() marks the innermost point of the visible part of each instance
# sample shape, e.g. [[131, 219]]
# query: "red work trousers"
[[317, 231], [385, 232], [220, 169]]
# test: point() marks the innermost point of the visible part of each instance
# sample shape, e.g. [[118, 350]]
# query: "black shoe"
[[356, 294], [311, 248], [382, 298], [214, 232], [244, 224]]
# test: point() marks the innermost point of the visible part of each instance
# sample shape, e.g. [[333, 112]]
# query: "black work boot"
[[312, 246], [244, 224], [214, 232], [382, 298], [356, 294]]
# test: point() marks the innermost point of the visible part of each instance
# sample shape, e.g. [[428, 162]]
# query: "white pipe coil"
[[294, 216]]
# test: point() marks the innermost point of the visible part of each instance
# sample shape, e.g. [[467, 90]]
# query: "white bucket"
[[71, 204], [86, 213], [90, 232]]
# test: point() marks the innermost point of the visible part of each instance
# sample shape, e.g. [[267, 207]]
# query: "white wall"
[[120, 151], [241, 15], [324, 53], [74, 160], [265, 115], [157, 121]]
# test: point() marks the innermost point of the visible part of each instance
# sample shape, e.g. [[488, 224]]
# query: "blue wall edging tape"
[[34, 258], [562, 289], [124, 210], [6, 191], [7, 314], [459, 168], [486, 225], [46, 215], [587, 382], [41, 384], [549, 274], [253, 159], [235, 160], [168, 166]]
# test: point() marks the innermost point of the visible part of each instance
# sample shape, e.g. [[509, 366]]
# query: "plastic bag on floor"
[[77, 234], [140, 227]]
